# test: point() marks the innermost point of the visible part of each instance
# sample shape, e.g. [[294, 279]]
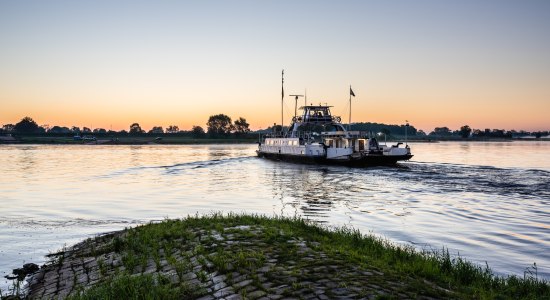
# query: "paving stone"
[[256, 294], [242, 283], [218, 286], [264, 269], [219, 278], [223, 292], [267, 285], [281, 289], [188, 276]]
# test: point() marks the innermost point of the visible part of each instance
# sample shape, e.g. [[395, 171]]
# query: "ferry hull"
[[364, 161]]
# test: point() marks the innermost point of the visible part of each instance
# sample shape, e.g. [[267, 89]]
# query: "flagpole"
[[349, 123]]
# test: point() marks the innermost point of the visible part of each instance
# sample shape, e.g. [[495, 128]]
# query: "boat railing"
[[302, 135], [345, 134]]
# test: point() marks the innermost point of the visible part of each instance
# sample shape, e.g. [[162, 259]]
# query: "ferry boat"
[[318, 137]]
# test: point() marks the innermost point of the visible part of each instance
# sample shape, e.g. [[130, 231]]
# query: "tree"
[[26, 125], [478, 133], [241, 126], [378, 127], [172, 129], [46, 127], [441, 131], [59, 129], [8, 128], [465, 131], [498, 133], [156, 130], [135, 128], [75, 129], [219, 125], [86, 130], [197, 132]]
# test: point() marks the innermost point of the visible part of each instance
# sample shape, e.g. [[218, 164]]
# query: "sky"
[[108, 64]]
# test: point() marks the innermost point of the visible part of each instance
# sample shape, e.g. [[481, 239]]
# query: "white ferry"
[[319, 137]]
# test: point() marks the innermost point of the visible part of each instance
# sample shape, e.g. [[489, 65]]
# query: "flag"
[[351, 92]]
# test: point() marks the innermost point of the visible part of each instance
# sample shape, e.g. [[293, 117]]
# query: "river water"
[[487, 202]]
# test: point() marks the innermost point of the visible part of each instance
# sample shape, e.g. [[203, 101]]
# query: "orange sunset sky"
[[434, 63]]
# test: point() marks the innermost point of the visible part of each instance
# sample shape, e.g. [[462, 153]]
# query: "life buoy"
[[293, 119], [338, 119]]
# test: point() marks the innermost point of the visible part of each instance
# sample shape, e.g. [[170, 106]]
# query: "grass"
[[436, 274], [137, 287]]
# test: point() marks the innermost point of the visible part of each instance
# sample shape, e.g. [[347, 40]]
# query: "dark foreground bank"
[[252, 257]]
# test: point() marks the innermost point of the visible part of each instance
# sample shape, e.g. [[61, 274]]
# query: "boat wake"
[[22, 222], [445, 178], [179, 167]]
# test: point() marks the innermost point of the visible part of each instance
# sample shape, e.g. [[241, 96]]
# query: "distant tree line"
[[390, 130], [218, 126], [221, 126], [466, 132]]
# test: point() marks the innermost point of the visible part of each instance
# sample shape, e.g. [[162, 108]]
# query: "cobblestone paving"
[[236, 264]]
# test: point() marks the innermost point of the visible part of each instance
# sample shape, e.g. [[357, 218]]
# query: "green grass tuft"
[[137, 287]]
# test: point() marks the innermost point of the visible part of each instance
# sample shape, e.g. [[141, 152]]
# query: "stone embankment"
[[237, 262]]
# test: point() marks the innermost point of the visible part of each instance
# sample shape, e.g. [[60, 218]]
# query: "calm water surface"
[[485, 201]]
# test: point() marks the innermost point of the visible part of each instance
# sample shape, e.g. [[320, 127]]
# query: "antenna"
[[296, 104]]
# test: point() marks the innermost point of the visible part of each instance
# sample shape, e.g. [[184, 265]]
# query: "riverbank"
[[129, 140], [255, 257]]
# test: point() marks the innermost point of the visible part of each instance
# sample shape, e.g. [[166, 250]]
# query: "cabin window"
[[361, 145], [330, 143]]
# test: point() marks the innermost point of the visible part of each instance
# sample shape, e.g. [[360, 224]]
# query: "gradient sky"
[[435, 63]]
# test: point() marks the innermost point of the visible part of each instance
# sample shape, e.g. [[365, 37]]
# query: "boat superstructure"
[[318, 137]]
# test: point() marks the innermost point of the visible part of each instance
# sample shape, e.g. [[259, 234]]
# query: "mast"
[[351, 93], [406, 127], [282, 96]]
